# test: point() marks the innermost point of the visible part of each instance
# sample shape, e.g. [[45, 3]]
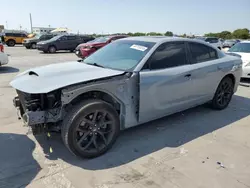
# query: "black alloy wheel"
[[223, 94], [91, 129]]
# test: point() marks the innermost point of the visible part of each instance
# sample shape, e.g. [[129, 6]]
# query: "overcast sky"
[[110, 16]]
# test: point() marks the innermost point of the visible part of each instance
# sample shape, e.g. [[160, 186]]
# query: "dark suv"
[[31, 42], [62, 42]]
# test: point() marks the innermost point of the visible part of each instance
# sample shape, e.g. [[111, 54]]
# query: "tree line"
[[236, 34]]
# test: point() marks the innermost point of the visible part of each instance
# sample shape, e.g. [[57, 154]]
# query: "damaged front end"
[[39, 111]]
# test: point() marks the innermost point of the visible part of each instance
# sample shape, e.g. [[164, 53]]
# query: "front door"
[[166, 84], [62, 43]]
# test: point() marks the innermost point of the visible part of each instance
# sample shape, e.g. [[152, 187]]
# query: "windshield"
[[201, 38], [121, 55], [55, 38], [101, 39], [240, 47], [37, 36]]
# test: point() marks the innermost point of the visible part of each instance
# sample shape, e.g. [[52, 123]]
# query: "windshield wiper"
[[95, 64]]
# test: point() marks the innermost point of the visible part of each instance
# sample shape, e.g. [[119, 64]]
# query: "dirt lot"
[[197, 148]]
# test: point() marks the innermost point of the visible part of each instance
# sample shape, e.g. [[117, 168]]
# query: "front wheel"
[[52, 49], [33, 45], [223, 94], [90, 128]]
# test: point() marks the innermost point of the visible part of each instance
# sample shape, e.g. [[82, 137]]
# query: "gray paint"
[[155, 93], [55, 76]]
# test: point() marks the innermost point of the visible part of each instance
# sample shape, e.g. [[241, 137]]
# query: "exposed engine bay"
[[39, 109]]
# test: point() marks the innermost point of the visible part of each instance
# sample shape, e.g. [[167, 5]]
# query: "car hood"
[[31, 40], [92, 44], [55, 76]]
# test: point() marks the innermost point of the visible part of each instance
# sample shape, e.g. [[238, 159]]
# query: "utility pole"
[[31, 29], [6, 25]]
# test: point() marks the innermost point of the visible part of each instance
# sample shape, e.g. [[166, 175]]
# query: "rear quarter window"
[[201, 53]]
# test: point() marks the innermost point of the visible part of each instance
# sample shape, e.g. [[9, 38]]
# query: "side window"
[[168, 55], [71, 37], [212, 40], [201, 53], [63, 38]]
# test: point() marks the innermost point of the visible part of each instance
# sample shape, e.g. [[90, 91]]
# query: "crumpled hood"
[[55, 76]]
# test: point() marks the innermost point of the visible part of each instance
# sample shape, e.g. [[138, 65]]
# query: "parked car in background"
[[3, 57], [229, 43], [31, 42], [13, 38], [216, 42], [243, 50], [61, 42], [84, 50], [126, 83]]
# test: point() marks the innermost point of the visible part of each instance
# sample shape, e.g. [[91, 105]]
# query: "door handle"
[[187, 75]]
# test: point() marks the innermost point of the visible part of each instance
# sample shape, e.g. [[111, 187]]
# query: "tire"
[[223, 94], [11, 43], [33, 46], [52, 49], [72, 51], [44, 51], [83, 139], [27, 47]]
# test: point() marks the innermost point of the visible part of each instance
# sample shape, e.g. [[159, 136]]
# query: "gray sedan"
[[229, 43], [126, 83]]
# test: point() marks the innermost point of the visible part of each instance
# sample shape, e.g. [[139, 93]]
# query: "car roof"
[[160, 39], [245, 41]]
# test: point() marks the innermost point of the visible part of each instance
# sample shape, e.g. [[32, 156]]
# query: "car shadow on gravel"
[[169, 132], [7, 69], [17, 165]]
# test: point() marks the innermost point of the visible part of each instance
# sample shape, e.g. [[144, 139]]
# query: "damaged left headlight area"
[[39, 111]]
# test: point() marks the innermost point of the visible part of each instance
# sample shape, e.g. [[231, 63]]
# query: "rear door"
[[205, 70], [165, 82], [73, 41]]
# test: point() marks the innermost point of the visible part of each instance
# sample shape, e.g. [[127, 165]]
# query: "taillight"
[[1, 48]]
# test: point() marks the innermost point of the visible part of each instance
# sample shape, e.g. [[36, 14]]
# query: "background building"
[[42, 30]]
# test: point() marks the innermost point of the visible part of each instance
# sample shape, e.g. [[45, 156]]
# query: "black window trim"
[[191, 60], [147, 65]]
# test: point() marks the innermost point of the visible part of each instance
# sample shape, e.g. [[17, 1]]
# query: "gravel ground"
[[196, 148]]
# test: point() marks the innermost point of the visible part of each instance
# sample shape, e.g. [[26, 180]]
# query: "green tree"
[[241, 33], [154, 34], [225, 35], [169, 33], [138, 34]]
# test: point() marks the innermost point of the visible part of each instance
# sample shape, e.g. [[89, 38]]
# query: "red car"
[[85, 49]]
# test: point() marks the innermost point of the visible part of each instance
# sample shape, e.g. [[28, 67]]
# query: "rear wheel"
[[90, 128], [223, 94], [11, 43], [52, 49]]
